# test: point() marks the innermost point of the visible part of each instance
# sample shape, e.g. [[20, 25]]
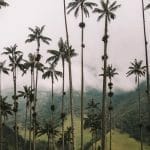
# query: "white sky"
[[126, 40]]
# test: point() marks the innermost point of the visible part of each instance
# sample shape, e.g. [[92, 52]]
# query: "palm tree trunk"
[[30, 107], [82, 76], [110, 142], [105, 39], [34, 118], [1, 128], [70, 78], [63, 88], [52, 110], [26, 113], [140, 121], [16, 108], [35, 98], [146, 58], [48, 142], [92, 141]]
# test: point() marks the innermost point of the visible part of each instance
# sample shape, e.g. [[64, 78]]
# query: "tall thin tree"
[[146, 56], [5, 70], [15, 58], [82, 5], [50, 72], [37, 36], [107, 11], [138, 70]]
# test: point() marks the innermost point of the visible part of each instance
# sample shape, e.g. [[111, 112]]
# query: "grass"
[[120, 141]]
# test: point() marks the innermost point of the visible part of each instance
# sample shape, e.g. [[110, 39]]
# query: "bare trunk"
[[105, 39], [63, 88], [82, 77], [70, 79], [1, 127], [16, 108], [140, 120], [146, 58]]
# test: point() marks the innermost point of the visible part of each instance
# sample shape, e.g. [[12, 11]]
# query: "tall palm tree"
[[61, 53], [3, 4], [70, 72], [146, 56], [15, 58], [138, 70], [37, 36], [107, 11], [31, 65], [111, 72], [26, 94], [3, 69], [50, 72], [82, 5]]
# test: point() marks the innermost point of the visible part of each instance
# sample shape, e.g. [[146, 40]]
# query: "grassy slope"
[[120, 141]]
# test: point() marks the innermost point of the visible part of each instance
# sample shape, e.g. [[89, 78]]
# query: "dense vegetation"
[[36, 114]]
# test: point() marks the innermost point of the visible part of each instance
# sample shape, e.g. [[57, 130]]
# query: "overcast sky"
[[126, 40]]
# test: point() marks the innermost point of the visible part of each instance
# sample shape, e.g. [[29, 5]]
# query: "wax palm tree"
[[138, 70], [26, 94], [31, 65], [61, 53], [146, 55], [3, 4], [50, 72], [51, 131], [111, 72], [69, 69], [82, 5], [15, 58], [5, 70], [107, 11]]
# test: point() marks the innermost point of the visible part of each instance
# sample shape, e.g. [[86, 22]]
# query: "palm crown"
[[51, 72], [62, 52], [37, 35], [110, 71], [137, 69], [106, 9], [15, 57], [83, 4], [3, 3]]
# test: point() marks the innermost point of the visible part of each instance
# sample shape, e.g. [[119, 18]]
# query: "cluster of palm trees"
[[64, 53]]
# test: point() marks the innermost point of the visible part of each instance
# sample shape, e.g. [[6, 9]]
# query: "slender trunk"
[[16, 108], [34, 117], [1, 127], [35, 97], [146, 58], [92, 141], [82, 76], [140, 120], [26, 113], [52, 110], [30, 126], [63, 88], [48, 142], [70, 78], [105, 39], [30, 107], [110, 131]]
